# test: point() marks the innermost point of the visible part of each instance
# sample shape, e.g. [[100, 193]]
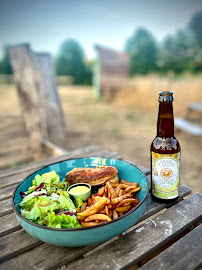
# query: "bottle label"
[[165, 175]]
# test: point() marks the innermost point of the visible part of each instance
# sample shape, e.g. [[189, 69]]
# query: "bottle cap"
[[166, 96]]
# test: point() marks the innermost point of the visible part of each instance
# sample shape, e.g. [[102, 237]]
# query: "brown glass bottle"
[[165, 154]]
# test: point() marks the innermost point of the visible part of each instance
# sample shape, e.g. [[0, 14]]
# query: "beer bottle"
[[165, 154]]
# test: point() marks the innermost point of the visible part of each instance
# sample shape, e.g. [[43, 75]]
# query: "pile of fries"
[[111, 201]]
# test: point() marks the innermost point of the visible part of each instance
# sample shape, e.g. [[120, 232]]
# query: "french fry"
[[126, 202], [119, 199], [121, 192], [97, 198], [87, 224], [97, 217], [114, 214], [106, 210], [83, 207], [93, 209], [89, 201], [111, 190], [101, 191], [123, 208], [120, 213], [110, 213], [135, 189], [128, 189], [129, 183]]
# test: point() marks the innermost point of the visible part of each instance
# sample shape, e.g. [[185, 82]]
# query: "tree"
[[5, 67], [70, 61], [143, 50], [195, 25], [176, 53]]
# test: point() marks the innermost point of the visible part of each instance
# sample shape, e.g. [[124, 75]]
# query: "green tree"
[[70, 61], [176, 53], [5, 67], [143, 50], [195, 25]]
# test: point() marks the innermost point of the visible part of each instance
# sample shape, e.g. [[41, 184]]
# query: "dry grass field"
[[126, 125]]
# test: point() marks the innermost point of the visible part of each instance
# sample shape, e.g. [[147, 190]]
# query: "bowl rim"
[[82, 228]]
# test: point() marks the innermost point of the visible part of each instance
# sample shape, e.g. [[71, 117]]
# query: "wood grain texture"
[[21, 59], [9, 224], [51, 117], [184, 254], [33, 255], [6, 207], [18, 243], [128, 250]]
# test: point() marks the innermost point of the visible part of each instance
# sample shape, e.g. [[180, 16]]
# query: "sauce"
[[78, 190]]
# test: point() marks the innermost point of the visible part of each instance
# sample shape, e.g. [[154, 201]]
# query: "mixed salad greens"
[[47, 202]]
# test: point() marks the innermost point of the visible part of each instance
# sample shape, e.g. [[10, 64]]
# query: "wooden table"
[[173, 230]]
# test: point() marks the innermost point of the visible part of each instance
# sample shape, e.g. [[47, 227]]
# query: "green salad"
[[47, 202]]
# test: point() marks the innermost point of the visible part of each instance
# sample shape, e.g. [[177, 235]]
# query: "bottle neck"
[[165, 124]]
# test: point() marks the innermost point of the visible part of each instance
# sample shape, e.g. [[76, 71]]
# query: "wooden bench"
[[188, 124], [40, 131], [188, 127], [167, 236]]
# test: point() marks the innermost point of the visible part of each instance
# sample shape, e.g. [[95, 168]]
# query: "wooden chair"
[[43, 126]]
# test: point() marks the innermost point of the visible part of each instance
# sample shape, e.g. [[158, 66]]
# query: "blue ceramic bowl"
[[86, 235]]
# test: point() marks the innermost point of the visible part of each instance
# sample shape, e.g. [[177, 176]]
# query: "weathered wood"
[[195, 107], [91, 150], [18, 243], [52, 149], [21, 59], [6, 207], [72, 253], [12, 133], [52, 121], [14, 176], [21, 143], [9, 224], [188, 126], [111, 71], [128, 250], [15, 158], [154, 207], [184, 254]]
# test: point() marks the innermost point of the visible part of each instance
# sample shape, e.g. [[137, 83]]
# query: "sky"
[[46, 23]]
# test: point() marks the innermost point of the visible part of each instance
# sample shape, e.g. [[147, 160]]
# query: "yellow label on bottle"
[[165, 175]]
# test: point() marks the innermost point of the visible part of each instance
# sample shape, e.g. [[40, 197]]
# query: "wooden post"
[[21, 59], [52, 122]]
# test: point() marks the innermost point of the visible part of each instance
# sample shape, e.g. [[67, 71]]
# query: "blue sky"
[[46, 23]]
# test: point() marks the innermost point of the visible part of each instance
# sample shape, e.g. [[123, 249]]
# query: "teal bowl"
[[87, 235]]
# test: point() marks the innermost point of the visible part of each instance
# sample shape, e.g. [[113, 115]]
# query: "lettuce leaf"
[[61, 221]]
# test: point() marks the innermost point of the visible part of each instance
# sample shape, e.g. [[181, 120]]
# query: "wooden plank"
[[19, 242], [38, 164], [21, 59], [21, 143], [188, 126], [15, 158], [13, 133], [195, 107], [14, 176], [128, 250], [184, 254], [52, 122], [71, 252], [6, 207], [9, 224]]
